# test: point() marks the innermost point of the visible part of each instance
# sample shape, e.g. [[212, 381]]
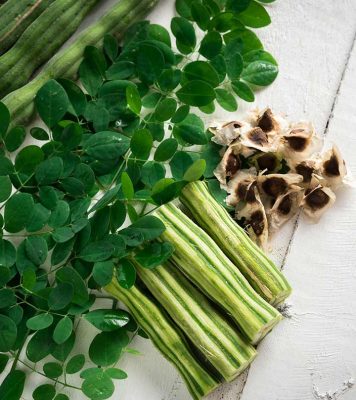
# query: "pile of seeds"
[[271, 168]]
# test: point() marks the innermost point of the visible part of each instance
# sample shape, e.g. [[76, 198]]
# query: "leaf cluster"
[[75, 206]]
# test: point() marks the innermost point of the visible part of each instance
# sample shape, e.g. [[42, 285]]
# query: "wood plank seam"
[[296, 224], [326, 130]]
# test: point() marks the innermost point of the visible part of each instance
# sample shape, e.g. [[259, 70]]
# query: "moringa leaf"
[[8, 333], [226, 100], [196, 93], [154, 254], [4, 119], [13, 385], [126, 273], [5, 188], [14, 138], [52, 102], [18, 210], [255, 16], [63, 330], [75, 364], [108, 320], [211, 45], [243, 91], [260, 73]]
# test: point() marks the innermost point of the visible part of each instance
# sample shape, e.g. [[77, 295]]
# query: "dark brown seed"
[[267, 161], [331, 166], [257, 222], [246, 191], [317, 199], [274, 186], [233, 164], [266, 122], [285, 205], [297, 143], [257, 136], [304, 170]]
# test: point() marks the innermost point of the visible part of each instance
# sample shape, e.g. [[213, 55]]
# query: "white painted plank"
[[314, 353]]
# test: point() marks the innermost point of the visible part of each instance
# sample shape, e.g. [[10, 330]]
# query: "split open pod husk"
[[255, 219], [285, 207], [242, 187], [255, 139], [307, 169], [270, 123], [274, 185], [229, 166], [225, 134], [333, 168], [317, 201], [271, 168], [300, 143]]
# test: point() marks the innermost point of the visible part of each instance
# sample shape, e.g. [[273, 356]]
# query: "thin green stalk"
[[52, 379]]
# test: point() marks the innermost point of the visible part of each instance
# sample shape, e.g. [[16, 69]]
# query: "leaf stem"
[[16, 359], [54, 380]]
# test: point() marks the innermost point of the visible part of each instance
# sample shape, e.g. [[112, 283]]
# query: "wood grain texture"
[[314, 351], [313, 354]]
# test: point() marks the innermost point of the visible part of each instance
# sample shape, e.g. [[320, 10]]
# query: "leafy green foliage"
[[98, 385], [13, 385], [52, 102], [63, 330], [4, 118], [106, 347], [75, 205], [75, 364], [8, 333], [44, 392], [154, 254], [53, 370], [108, 320]]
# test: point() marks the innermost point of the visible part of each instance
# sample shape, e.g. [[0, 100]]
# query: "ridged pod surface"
[[258, 269], [66, 62], [40, 41], [220, 343], [167, 337], [201, 259], [16, 16]]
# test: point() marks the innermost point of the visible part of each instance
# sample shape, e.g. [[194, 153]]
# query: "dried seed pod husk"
[[255, 219], [227, 133], [285, 207], [307, 169], [256, 139], [229, 165], [242, 187], [269, 162], [300, 142], [270, 123], [274, 185], [333, 168], [316, 201]]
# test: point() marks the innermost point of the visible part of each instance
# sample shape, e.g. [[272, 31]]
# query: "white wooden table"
[[312, 353]]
